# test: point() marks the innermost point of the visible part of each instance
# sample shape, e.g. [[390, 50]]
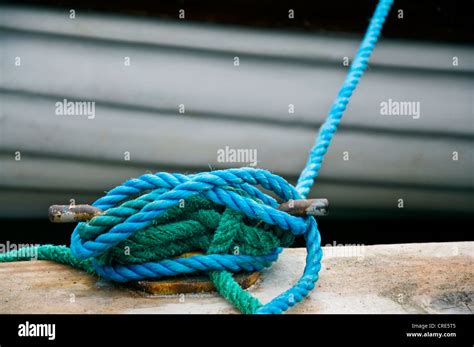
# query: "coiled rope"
[[157, 217]]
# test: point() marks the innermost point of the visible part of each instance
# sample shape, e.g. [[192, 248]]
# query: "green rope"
[[199, 225], [58, 254]]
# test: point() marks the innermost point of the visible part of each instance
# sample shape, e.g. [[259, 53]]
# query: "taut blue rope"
[[339, 105], [121, 220]]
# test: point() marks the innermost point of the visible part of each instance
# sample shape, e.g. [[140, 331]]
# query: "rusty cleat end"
[[308, 207], [72, 213]]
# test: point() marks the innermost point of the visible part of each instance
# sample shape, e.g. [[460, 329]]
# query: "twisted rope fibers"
[[221, 214]]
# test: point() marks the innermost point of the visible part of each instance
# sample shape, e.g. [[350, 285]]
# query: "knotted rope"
[[150, 220]]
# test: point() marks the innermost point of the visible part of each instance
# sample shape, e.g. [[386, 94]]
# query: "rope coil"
[[235, 189]]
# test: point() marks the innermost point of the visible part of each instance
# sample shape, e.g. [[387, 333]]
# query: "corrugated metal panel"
[[241, 107]]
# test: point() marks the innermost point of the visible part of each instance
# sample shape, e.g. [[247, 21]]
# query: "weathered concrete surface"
[[408, 278]]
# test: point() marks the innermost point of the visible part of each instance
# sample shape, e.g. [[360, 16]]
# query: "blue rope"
[[358, 66], [126, 214]]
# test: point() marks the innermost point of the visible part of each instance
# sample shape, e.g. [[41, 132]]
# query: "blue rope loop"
[[167, 190]]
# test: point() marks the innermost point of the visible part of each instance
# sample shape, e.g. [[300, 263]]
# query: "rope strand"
[[356, 70]]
